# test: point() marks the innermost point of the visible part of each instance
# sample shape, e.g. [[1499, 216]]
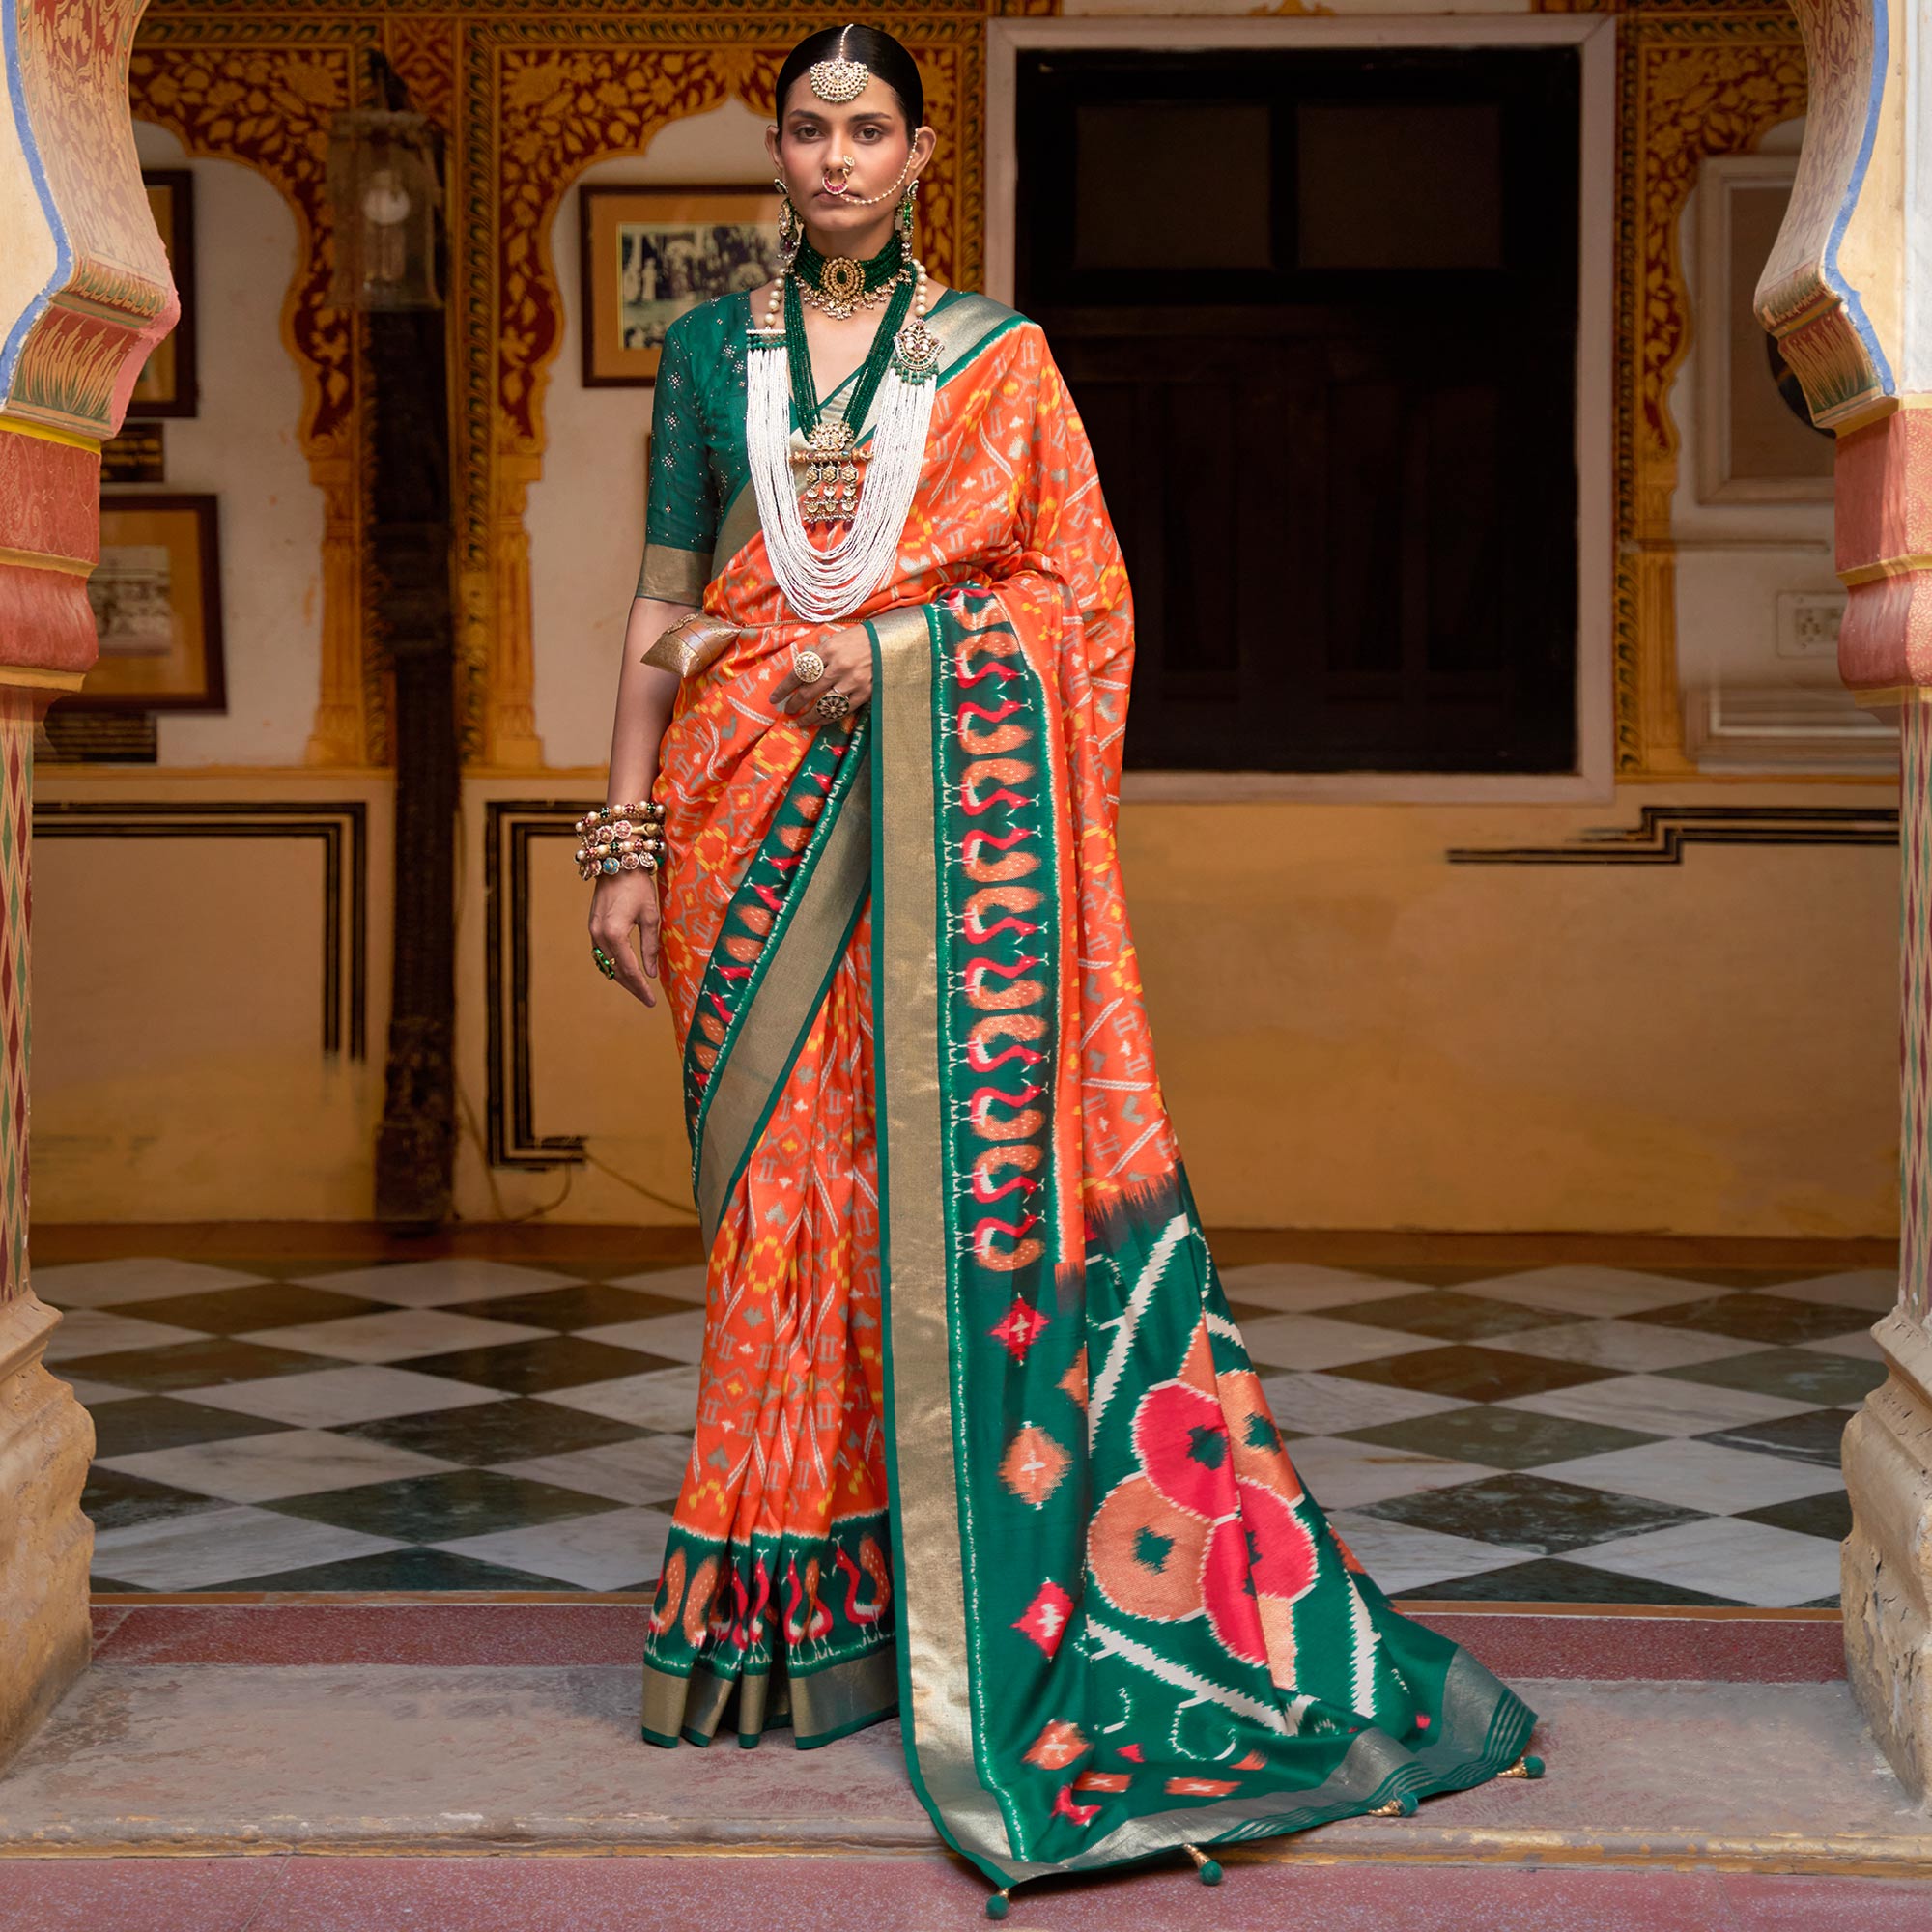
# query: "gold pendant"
[[831, 463], [842, 282]]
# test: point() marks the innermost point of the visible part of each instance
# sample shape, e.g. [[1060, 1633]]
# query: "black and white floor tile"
[[1587, 1435]]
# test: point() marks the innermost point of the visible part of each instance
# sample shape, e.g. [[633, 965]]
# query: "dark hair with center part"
[[873, 46]]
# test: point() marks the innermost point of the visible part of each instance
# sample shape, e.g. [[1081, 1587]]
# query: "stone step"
[[242, 1736], [224, 1757]]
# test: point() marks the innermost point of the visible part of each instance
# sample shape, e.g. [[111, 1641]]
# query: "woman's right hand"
[[623, 905]]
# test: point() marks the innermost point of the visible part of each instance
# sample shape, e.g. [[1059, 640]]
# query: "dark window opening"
[[1319, 310]]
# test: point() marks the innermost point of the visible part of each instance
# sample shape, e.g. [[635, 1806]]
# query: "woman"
[[977, 1440]]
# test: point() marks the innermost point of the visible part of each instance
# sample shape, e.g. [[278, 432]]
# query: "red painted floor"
[[1737, 1647], [669, 1894]]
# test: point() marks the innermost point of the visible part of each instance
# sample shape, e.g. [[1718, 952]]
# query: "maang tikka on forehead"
[[838, 80]]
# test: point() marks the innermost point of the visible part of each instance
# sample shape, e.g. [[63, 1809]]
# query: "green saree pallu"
[[1114, 1623]]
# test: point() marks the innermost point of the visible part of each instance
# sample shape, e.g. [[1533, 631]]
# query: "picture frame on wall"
[[648, 254], [157, 600], [1756, 442], [168, 384]]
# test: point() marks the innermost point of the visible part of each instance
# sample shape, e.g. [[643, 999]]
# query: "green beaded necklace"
[[842, 283], [871, 372]]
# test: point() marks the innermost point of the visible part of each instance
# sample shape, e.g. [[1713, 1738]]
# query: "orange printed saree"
[[977, 1437]]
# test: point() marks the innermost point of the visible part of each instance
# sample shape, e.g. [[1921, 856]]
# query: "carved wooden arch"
[[261, 95], [1694, 85], [540, 103]]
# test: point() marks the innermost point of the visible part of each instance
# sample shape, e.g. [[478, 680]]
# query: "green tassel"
[[996, 1906], [1532, 1765], [1208, 1869]]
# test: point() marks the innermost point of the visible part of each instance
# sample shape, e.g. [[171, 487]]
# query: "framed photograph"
[[157, 598], [1756, 442], [167, 384], [139, 454], [650, 253]]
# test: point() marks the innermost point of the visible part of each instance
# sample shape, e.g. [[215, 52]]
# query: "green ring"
[[605, 965]]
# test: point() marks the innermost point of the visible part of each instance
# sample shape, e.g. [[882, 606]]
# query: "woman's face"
[[831, 154]]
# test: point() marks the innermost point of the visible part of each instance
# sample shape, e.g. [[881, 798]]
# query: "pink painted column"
[[1884, 558], [1848, 292], [84, 294]]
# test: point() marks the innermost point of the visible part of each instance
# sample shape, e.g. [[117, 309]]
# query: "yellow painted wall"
[[1353, 1032], [178, 1071]]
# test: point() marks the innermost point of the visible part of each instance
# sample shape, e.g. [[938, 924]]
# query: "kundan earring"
[[903, 220], [791, 230]]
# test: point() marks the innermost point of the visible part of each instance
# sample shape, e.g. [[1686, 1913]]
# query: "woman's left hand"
[[848, 670]]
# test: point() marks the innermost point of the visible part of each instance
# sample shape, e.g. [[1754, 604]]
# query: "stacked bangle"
[[620, 838]]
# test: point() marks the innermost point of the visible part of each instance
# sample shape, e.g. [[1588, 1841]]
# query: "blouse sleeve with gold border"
[[681, 513]]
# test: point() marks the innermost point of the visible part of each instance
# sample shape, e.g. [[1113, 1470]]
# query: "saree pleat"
[[978, 1439], [776, 1576]]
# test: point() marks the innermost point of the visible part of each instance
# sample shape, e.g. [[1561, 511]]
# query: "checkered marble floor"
[[1575, 1435]]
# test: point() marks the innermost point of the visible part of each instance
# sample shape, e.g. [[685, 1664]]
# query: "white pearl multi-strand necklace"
[[823, 586]]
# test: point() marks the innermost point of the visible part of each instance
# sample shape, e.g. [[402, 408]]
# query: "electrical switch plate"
[[1808, 623]]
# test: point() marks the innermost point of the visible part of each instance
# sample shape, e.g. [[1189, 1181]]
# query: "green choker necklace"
[[839, 285]]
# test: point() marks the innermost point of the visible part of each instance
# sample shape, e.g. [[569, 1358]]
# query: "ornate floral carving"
[[270, 107], [1696, 101], [264, 93], [1693, 85], [560, 111], [423, 52]]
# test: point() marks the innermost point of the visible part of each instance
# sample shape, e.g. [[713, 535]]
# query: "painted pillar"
[[1848, 292], [84, 294]]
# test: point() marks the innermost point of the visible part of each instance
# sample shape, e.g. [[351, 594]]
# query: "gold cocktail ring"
[[833, 705], [808, 666]]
